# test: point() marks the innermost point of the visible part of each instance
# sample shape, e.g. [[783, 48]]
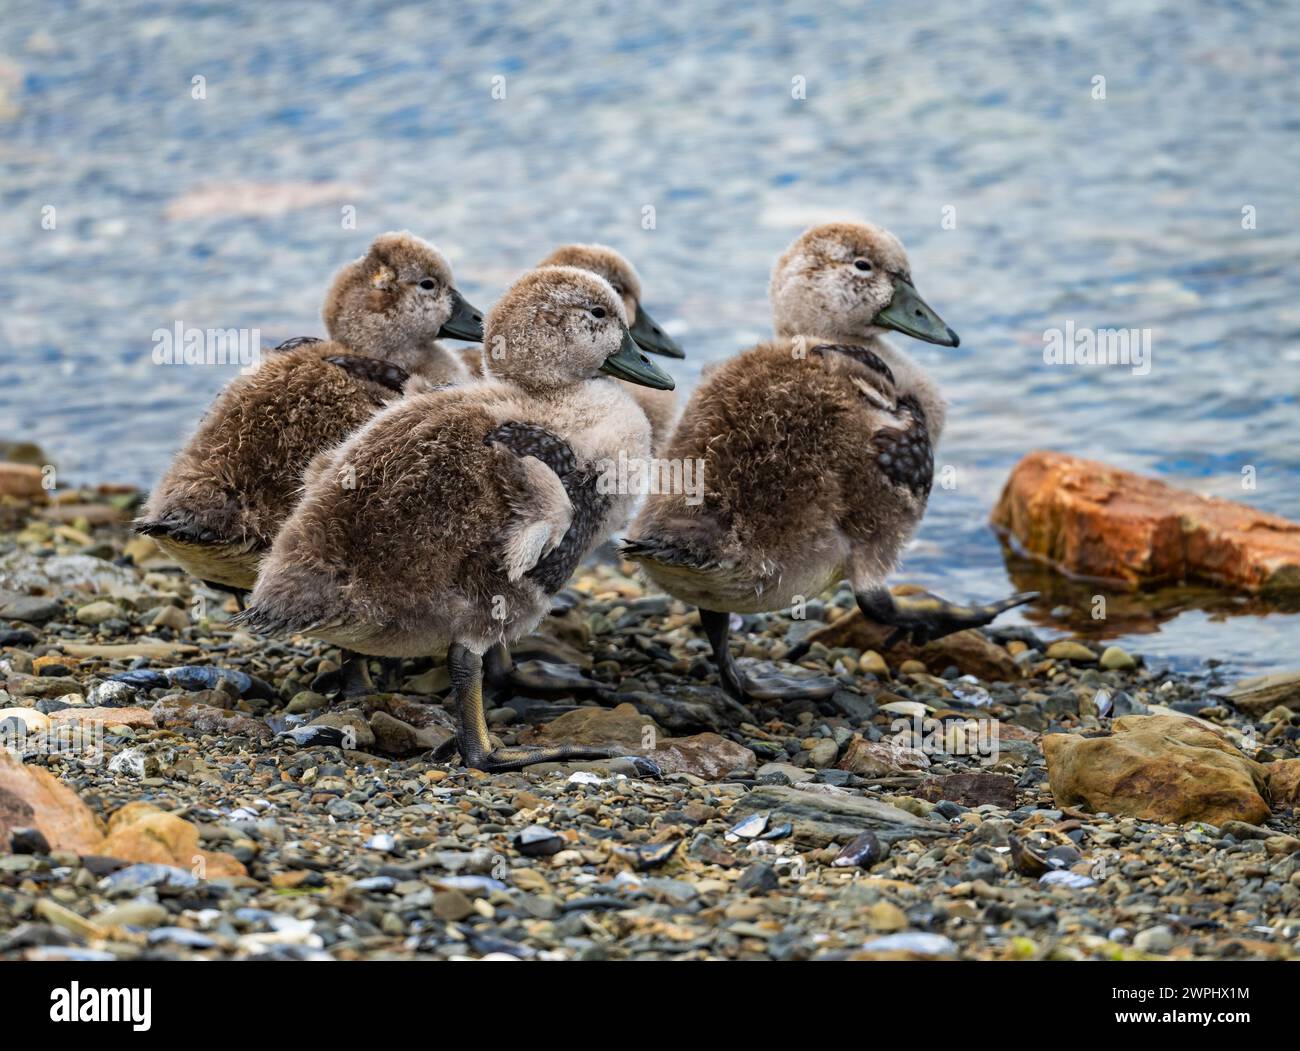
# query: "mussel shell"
[[195, 677], [747, 828], [862, 851], [1026, 861], [538, 841], [314, 734], [470, 884], [135, 878], [181, 936], [377, 884], [646, 856]]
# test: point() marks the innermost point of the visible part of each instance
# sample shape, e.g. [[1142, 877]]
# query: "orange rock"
[[32, 797], [53, 660], [705, 755], [881, 758], [18, 479], [1165, 768], [1089, 519], [141, 832], [1283, 779]]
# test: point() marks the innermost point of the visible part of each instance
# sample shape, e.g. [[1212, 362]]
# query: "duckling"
[[446, 524], [223, 499], [660, 406], [817, 453], [228, 491]]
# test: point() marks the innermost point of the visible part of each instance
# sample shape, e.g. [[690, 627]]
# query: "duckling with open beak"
[[817, 454], [448, 522]]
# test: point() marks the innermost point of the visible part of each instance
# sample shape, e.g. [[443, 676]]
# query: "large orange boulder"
[[1089, 519]]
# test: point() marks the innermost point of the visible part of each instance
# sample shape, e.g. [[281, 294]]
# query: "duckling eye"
[[597, 311], [428, 284], [862, 265]]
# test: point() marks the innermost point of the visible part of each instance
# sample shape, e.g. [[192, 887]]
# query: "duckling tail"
[[262, 621], [294, 599], [174, 527], [665, 552]]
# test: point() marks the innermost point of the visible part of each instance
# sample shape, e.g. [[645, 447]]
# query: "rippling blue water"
[[1123, 212]]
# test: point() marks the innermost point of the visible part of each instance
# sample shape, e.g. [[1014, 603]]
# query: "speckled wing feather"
[[372, 370], [178, 527], [528, 439], [589, 510], [903, 454], [589, 506]]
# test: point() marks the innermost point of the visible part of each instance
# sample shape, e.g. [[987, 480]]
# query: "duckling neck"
[[427, 358]]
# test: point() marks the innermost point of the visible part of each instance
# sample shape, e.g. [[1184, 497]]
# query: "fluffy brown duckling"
[[817, 452], [226, 494], [446, 524], [228, 491]]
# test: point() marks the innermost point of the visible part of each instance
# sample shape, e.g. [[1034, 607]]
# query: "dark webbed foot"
[[923, 618], [758, 685], [472, 737]]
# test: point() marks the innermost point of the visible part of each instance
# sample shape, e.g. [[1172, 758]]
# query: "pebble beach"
[[826, 829]]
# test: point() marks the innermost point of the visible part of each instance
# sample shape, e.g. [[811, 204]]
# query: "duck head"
[[851, 281], [625, 281], [558, 326], [397, 299]]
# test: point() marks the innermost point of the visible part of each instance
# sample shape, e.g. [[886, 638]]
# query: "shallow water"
[[1124, 212]]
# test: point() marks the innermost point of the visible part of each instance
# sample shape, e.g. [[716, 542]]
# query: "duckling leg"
[[476, 749], [390, 673], [238, 594], [924, 618], [501, 672], [770, 686], [352, 679]]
